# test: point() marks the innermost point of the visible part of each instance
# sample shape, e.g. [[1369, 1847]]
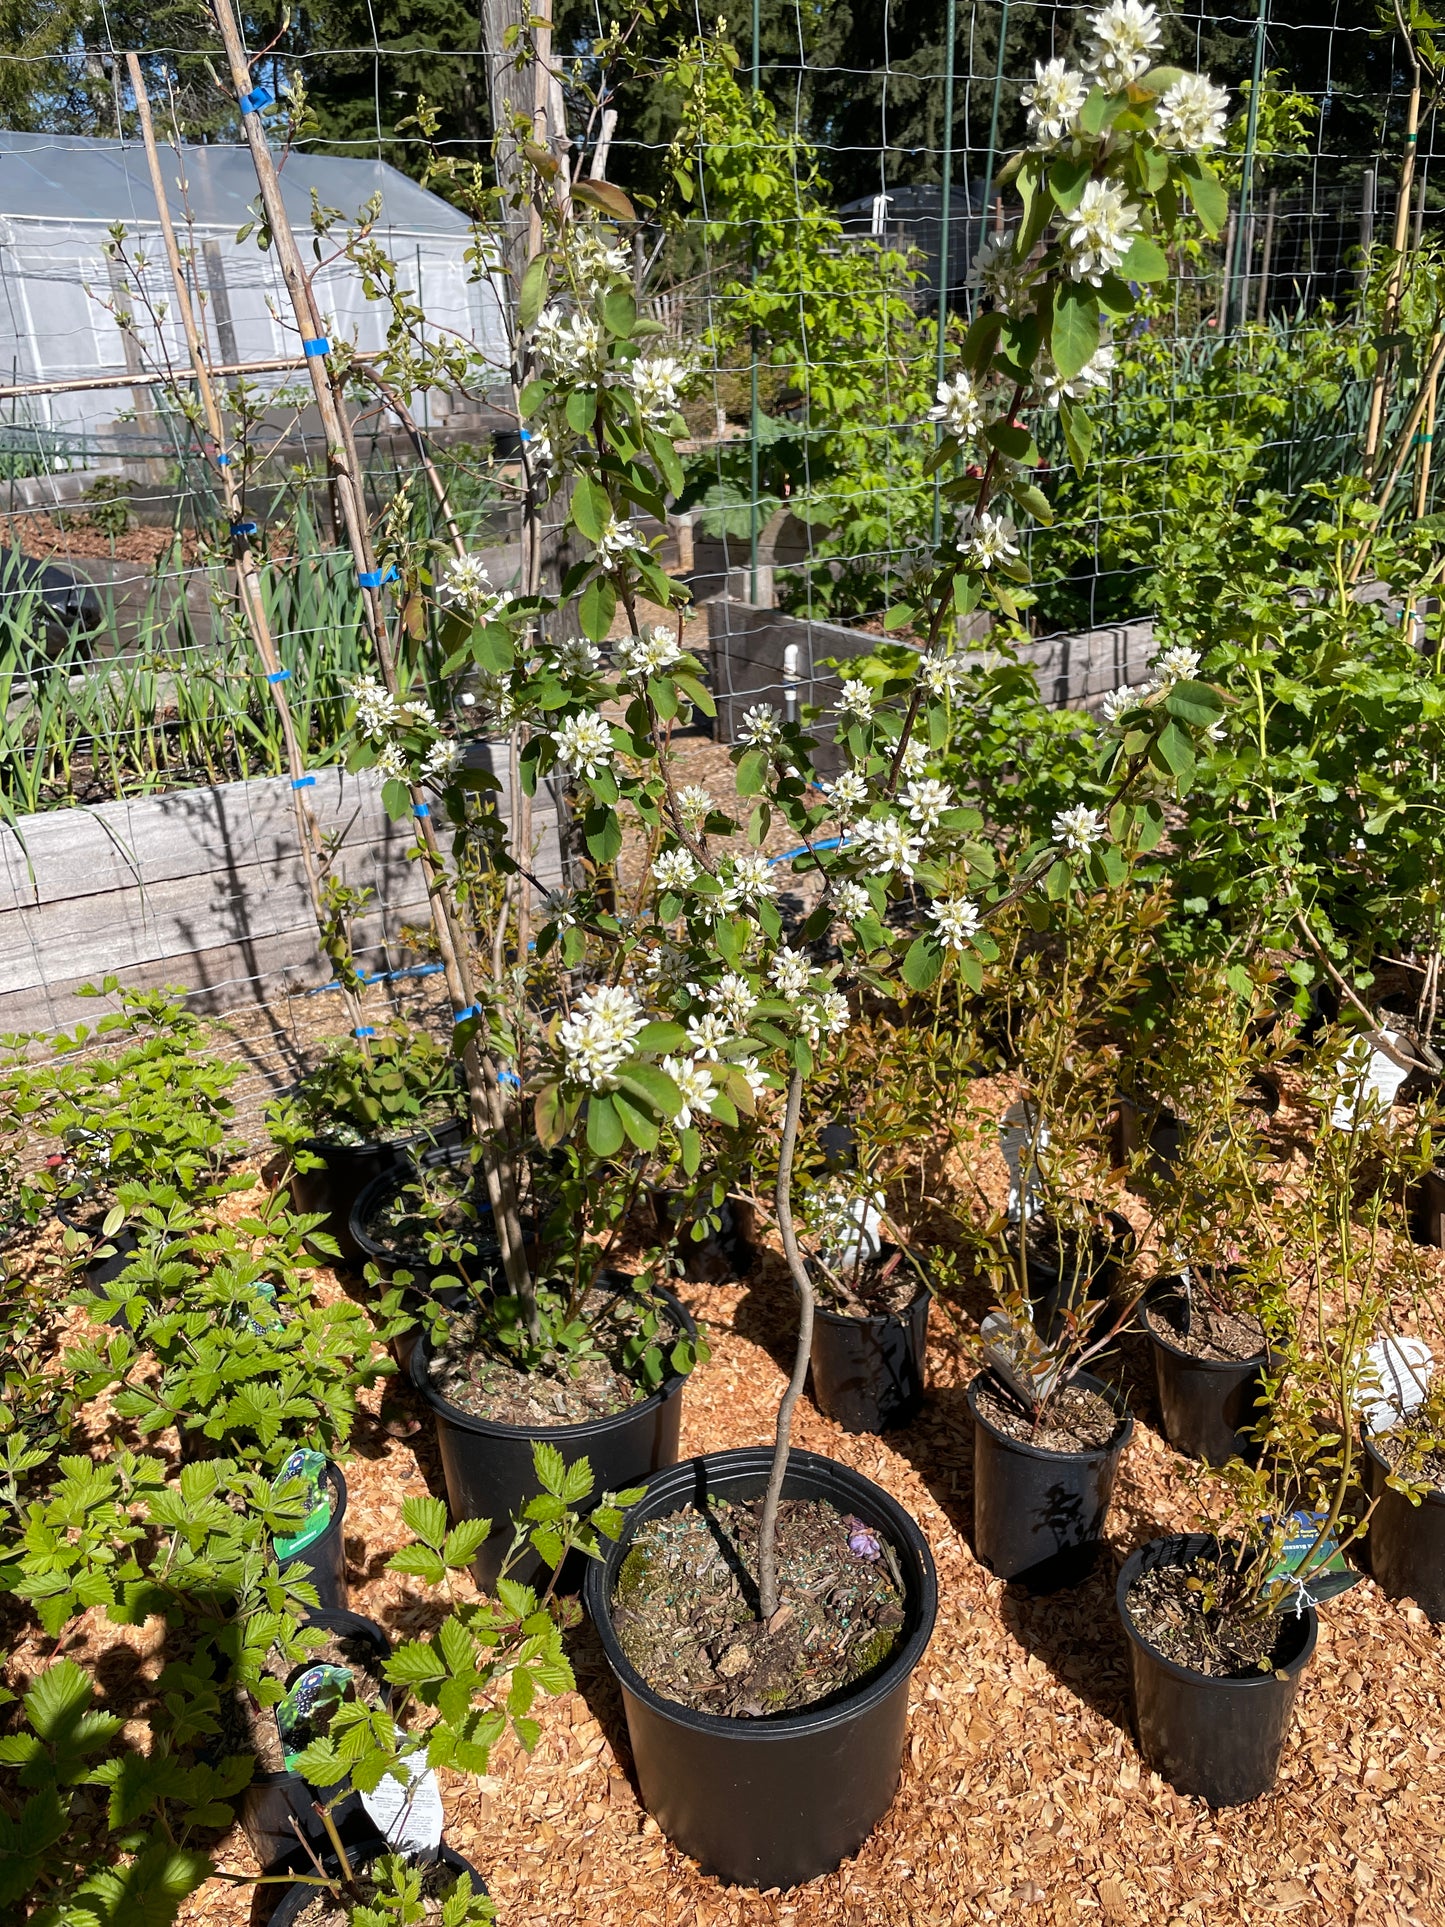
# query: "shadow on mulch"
[[1076, 1633], [597, 1683]]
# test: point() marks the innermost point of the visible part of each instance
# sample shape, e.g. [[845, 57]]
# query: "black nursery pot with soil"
[[346, 1170], [1218, 1737], [488, 1466], [76, 1215], [775, 1800], [1208, 1403], [1058, 1276], [1406, 1542], [291, 1909], [869, 1372], [325, 1557], [269, 1803], [1038, 1513]]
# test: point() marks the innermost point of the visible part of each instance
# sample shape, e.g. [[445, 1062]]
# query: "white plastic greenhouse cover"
[[60, 195]]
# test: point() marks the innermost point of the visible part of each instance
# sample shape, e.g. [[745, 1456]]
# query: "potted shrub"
[[1404, 1441]]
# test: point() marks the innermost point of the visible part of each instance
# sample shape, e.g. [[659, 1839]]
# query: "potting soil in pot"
[[881, 1285], [437, 1881], [247, 1728], [396, 1221], [686, 1604], [1074, 1419], [1165, 1605], [1214, 1333], [468, 1372], [1401, 1449]]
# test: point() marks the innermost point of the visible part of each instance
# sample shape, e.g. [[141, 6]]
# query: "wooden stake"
[[1374, 427]]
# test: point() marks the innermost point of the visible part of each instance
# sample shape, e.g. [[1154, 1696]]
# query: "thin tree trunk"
[[768, 1531]]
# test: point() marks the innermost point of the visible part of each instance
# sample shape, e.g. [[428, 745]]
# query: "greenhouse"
[[722, 897]]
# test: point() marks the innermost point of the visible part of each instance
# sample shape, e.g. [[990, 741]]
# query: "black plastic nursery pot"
[[1038, 1516], [1217, 1739], [325, 1557], [1406, 1542], [373, 1248], [1054, 1288], [269, 1803], [772, 1802], [293, 1899], [488, 1467], [724, 1256], [346, 1170], [1427, 1217], [1208, 1403], [122, 1246], [868, 1373]]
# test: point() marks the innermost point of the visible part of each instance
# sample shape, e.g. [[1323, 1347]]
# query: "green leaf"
[[420, 1562], [1078, 430], [605, 1135], [591, 507], [426, 1517], [619, 312], [533, 293], [1195, 702], [1206, 191], [638, 1123], [1068, 176], [550, 1467], [581, 413], [661, 1035], [1145, 261], [1013, 440], [602, 833], [652, 1085], [464, 1542], [922, 963], [1074, 333], [1056, 883], [1175, 751], [596, 608]]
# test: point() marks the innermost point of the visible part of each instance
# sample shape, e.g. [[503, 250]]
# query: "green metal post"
[[945, 214], [1238, 288], [754, 419]]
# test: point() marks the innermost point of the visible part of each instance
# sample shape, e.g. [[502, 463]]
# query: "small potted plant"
[[1404, 1440]]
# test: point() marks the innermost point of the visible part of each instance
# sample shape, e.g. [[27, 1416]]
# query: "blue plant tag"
[[310, 1700], [310, 1466], [1332, 1575]]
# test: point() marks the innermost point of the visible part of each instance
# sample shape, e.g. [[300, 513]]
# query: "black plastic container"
[[1217, 1739], [388, 1261], [345, 1171], [1427, 1210], [122, 1245], [326, 1557], [1038, 1516], [269, 1802], [1054, 1288], [724, 1256], [489, 1470], [294, 1898], [772, 1802], [1406, 1542], [868, 1373], [1207, 1402]]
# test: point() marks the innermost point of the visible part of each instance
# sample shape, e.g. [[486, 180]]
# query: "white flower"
[[1176, 664], [1053, 101], [656, 382], [392, 762], [577, 657], [674, 869], [598, 262], [733, 998], [1124, 35], [540, 455], [941, 674], [693, 804], [466, 584], [584, 744], [915, 757], [694, 1083], [889, 845], [986, 538], [925, 801], [751, 880], [847, 793], [569, 347], [1095, 373], [761, 726], [856, 700], [617, 541], [957, 919], [442, 760], [707, 1034], [1004, 278], [758, 1080], [599, 1035], [827, 1017], [1120, 701], [1079, 828], [1192, 114], [852, 901], [376, 708], [1099, 232], [791, 971], [557, 908], [637, 657], [494, 693], [959, 408]]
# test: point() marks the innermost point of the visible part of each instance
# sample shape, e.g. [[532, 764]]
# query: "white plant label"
[[1371, 1081], [1020, 1133], [858, 1230], [408, 1813], [1396, 1375]]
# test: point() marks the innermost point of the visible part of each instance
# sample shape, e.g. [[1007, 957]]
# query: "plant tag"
[[264, 1316], [310, 1466], [854, 1234], [1395, 1376], [1019, 1132], [408, 1812], [1326, 1580], [1016, 1353], [311, 1699], [1370, 1082]]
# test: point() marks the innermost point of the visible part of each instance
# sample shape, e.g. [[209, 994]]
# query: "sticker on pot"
[[310, 1468], [1394, 1378], [1020, 1133], [408, 1812], [1369, 1081], [304, 1714], [1330, 1572]]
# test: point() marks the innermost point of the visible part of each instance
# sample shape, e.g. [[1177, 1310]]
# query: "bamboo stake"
[[1422, 474], [248, 584], [1395, 288], [1402, 449], [223, 371], [484, 1087]]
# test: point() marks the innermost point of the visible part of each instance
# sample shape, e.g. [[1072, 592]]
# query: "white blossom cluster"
[[576, 658], [732, 997], [855, 700], [1055, 388], [599, 1036], [826, 1016], [747, 879], [959, 408], [1178, 663], [694, 1084], [847, 793], [888, 844], [466, 584], [986, 538], [694, 804], [1053, 101], [635, 658], [791, 972], [656, 382], [1192, 113], [1123, 38], [1099, 232], [617, 541], [1079, 829], [852, 901], [674, 870], [1005, 280], [584, 743], [708, 1034], [569, 347], [942, 673], [377, 710], [956, 918], [761, 727], [597, 260], [925, 800], [914, 759]]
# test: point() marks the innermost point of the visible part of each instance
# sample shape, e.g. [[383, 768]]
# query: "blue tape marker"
[[223, 461], [509, 1077], [471, 1010], [422, 809], [316, 345], [243, 528], [374, 578], [279, 675], [258, 98], [302, 782], [365, 1031]]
